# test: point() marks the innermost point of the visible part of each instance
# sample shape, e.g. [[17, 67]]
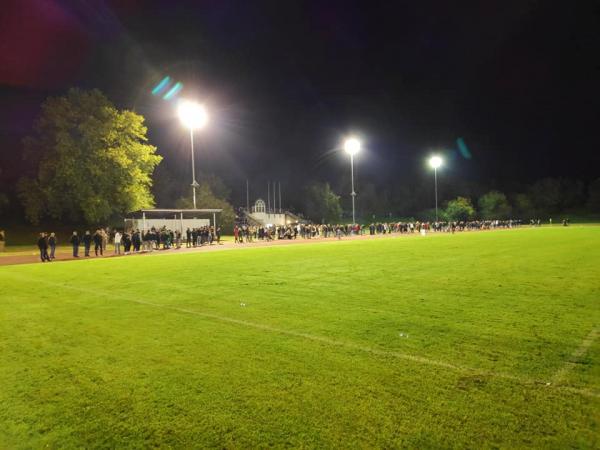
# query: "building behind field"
[[172, 219], [261, 215]]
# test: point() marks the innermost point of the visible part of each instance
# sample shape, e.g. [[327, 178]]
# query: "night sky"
[[285, 81]]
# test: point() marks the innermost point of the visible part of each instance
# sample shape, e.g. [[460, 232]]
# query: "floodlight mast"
[[435, 162], [193, 116], [352, 147]]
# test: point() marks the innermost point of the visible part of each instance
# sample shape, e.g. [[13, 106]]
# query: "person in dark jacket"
[[188, 238], [127, 242], [42, 244], [98, 242], [75, 243], [52, 244], [136, 240], [87, 242]]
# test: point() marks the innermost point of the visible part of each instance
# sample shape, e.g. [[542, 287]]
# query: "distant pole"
[[352, 146], [280, 197], [247, 197], [194, 184], [436, 199], [268, 196], [274, 198], [435, 162], [353, 194]]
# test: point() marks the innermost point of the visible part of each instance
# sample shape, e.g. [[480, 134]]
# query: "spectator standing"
[[75, 243], [52, 244], [98, 242], [87, 242], [104, 235], [136, 240], [126, 242], [42, 244], [117, 243]]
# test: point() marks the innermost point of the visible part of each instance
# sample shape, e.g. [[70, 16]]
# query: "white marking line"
[[328, 341], [580, 351]]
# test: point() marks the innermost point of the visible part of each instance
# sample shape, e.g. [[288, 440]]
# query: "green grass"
[[158, 351]]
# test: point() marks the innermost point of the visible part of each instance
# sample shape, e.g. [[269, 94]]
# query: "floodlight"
[[435, 162], [352, 146], [192, 114]]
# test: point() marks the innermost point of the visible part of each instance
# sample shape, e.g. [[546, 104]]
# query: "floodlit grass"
[[442, 341]]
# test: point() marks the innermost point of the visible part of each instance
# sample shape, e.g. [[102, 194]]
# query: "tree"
[[321, 203], [494, 205], [367, 201], [460, 209], [205, 198], [572, 194], [551, 195], [523, 206], [92, 160], [593, 201], [545, 195]]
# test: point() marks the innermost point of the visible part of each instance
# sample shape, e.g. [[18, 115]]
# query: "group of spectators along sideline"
[[135, 241]]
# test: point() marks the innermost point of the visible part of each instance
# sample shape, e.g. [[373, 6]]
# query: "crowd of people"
[[128, 241], [244, 233], [136, 241]]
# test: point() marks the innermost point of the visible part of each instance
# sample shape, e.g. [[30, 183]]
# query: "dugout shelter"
[[172, 219]]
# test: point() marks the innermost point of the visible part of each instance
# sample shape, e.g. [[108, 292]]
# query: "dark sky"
[[285, 81]]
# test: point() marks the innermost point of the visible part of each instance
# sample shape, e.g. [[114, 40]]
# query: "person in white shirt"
[[118, 243]]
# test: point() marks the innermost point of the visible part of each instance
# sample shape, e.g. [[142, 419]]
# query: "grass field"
[[471, 340]]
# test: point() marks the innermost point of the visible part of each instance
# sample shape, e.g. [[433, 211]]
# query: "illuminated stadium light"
[[435, 162], [352, 146], [192, 114]]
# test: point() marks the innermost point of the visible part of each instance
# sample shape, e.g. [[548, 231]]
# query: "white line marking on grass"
[[329, 341], [580, 351]]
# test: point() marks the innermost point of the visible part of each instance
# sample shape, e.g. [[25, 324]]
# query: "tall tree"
[[460, 208], [523, 206], [556, 195], [494, 205], [92, 161], [321, 203]]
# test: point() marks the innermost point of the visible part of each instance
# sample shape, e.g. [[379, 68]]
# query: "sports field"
[[488, 339]]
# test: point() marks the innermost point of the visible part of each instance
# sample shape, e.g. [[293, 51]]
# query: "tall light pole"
[[435, 162], [352, 147], [193, 116]]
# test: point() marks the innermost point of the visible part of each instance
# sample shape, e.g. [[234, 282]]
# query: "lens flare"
[[161, 86], [173, 91], [463, 149]]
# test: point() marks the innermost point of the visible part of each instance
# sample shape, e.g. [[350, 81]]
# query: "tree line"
[[542, 199]]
